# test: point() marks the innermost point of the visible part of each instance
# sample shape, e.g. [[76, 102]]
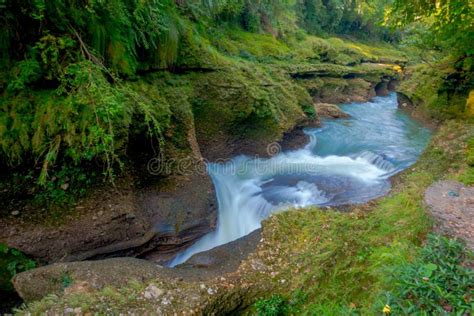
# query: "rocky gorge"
[[171, 219]]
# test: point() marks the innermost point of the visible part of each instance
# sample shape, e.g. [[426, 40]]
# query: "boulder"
[[452, 206], [329, 111], [88, 276], [73, 277], [123, 221]]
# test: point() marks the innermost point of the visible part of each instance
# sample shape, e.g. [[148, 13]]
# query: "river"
[[347, 161]]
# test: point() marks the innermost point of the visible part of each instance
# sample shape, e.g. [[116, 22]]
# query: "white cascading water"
[[346, 162]]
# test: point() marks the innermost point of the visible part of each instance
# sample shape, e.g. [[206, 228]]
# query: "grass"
[[435, 283], [467, 175]]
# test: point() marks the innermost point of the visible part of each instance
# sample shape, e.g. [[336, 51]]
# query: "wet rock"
[[338, 90], [404, 102], [225, 258], [330, 111], [452, 206]]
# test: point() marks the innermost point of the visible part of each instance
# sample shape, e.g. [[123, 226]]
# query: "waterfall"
[[347, 161]]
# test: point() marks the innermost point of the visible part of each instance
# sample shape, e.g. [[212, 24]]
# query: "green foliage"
[[450, 23], [65, 186], [84, 119], [362, 18], [66, 280], [435, 283], [64, 102], [440, 89], [139, 29], [274, 306], [12, 262]]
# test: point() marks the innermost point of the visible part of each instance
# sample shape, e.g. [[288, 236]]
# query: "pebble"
[[16, 213], [211, 291]]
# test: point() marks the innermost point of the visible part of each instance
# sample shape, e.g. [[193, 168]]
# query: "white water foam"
[[242, 206]]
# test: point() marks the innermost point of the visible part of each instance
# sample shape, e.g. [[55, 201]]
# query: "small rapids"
[[347, 161]]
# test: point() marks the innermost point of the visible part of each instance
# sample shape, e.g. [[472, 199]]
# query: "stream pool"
[[347, 161]]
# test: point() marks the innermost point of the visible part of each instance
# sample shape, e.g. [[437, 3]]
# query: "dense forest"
[[91, 91]]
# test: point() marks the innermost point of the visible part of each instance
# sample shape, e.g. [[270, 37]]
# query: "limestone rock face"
[[123, 221], [452, 206], [329, 110]]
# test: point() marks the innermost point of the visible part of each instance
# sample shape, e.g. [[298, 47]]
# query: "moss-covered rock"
[[330, 111], [440, 90]]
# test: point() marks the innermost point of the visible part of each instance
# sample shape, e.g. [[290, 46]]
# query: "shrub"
[[12, 262], [437, 282], [274, 306]]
